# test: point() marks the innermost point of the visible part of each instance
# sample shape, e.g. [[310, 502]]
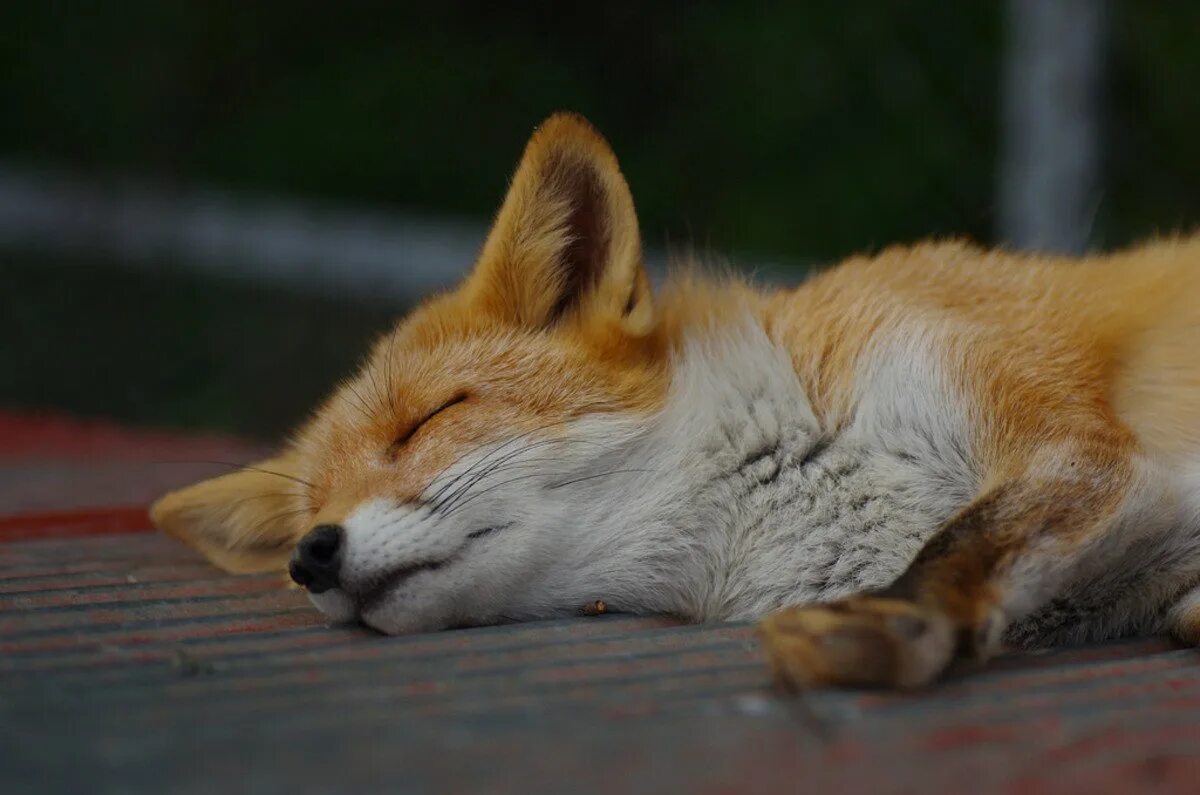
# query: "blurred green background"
[[793, 133]]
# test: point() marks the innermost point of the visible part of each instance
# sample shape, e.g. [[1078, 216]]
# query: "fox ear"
[[565, 242], [246, 521]]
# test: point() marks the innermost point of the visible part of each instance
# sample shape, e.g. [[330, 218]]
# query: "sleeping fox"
[[909, 459]]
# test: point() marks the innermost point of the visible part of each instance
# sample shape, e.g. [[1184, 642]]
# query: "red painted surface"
[[67, 524], [52, 464], [29, 435], [151, 671]]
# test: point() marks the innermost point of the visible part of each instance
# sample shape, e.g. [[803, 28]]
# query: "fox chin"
[[912, 457]]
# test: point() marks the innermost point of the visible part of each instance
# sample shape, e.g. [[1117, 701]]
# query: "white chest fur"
[[752, 505]]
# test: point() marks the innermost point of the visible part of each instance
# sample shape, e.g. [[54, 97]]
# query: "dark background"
[[790, 133]]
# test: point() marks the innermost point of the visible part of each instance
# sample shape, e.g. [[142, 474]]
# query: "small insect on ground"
[[595, 608]]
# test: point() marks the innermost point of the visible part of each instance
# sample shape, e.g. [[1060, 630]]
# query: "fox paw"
[[857, 642]]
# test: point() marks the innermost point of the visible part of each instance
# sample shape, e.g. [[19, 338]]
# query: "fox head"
[[459, 476]]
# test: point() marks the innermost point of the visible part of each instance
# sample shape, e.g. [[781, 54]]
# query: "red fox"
[[909, 459]]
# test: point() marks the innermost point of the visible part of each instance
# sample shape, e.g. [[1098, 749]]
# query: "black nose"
[[317, 558]]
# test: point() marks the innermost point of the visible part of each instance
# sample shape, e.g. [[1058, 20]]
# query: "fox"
[[913, 459]]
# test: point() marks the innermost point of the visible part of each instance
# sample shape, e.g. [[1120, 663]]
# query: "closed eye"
[[408, 434]]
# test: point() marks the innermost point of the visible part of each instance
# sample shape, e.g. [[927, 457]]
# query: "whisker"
[[249, 468], [592, 477], [472, 497], [379, 396], [491, 468], [483, 461], [390, 386], [292, 478], [496, 465], [265, 495], [480, 493], [518, 466], [363, 407], [245, 468], [254, 532]]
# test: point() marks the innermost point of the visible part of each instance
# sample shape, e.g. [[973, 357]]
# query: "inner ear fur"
[[245, 521], [565, 243]]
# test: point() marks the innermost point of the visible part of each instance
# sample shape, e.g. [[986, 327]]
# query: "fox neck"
[[736, 498], [669, 530]]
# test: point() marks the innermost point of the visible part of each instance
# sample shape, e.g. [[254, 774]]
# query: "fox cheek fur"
[[911, 457]]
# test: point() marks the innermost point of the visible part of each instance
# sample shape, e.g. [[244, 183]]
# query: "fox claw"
[[857, 642]]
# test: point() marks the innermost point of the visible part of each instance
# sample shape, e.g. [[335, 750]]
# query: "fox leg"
[[1183, 620], [992, 564]]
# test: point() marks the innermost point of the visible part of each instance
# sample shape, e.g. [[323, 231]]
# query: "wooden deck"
[[129, 665]]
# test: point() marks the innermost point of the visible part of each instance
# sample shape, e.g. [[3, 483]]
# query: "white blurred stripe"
[[347, 250], [364, 252]]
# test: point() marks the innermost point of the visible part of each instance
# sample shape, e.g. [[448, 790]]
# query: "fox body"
[[909, 458]]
